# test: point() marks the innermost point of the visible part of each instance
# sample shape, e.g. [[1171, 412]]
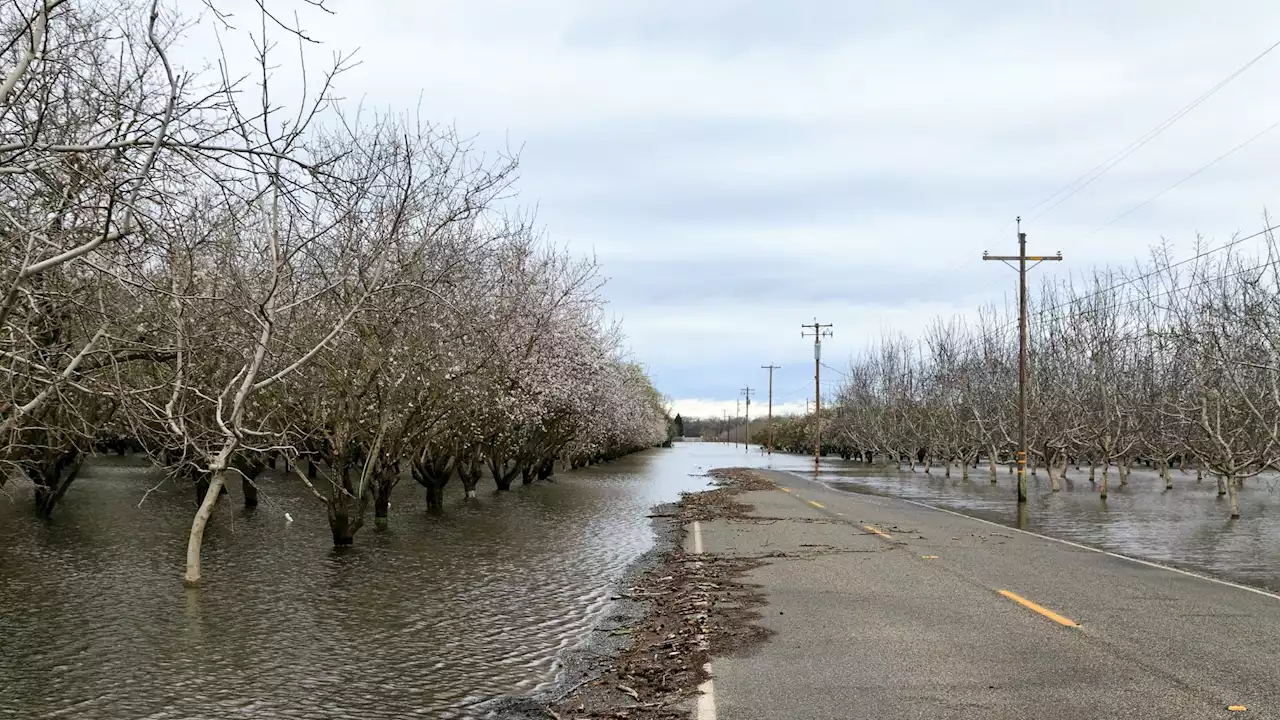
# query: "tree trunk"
[[313, 468], [381, 504], [1106, 474], [1093, 470], [527, 475], [991, 464], [470, 477], [502, 481], [1164, 473], [53, 479], [1222, 487], [211, 495], [342, 525], [435, 497], [203, 484], [1054, 486], [1124, 471], [250, 492], [1233, 494]]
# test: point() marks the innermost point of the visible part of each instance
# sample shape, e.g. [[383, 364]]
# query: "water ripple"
[[424, 619]]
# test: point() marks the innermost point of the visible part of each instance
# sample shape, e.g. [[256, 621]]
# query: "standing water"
[[426, 618], [1188, 526], [437, 612]]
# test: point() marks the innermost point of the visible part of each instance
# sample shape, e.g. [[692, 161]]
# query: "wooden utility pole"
[[737, 413], [818, 333], [746, 433], [770, 367], [725, 415], [1022, 268]]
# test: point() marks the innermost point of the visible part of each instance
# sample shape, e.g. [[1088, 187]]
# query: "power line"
[[1080, 183], [1130, 281], [1210, 164]]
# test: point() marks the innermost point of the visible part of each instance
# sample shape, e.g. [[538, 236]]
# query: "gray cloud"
[[739, 167]]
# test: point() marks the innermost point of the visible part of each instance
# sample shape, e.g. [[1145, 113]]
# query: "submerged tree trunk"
[[1164, 473], [203, 483], [1233, 495], [1222, 486], [53, 478], [433, 476], [469, 472], [194, 541], [345, 517], [1106, 474], [527, 475], [250, 492], [991, 464], [1125, 465], [250, 468], [381, 504]]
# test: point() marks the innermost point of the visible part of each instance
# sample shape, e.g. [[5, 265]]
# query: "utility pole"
[[737, 413], [770, 367], [746, 433], [1022, 268], [725, 414], [818, 333]]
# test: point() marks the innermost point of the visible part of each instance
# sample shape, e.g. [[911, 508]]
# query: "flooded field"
[[437, 612], [1187, 527], [423, 619]]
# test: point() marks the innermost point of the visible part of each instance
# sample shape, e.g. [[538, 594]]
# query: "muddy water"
[[423, 619], [1188, 526], [437, 612]]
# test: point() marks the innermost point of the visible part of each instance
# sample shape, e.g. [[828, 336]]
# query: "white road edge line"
[[707, 690], [1140, 561]]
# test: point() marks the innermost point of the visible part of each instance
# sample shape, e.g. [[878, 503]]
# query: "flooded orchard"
[[438, 612], [1188, 527], [427, 617]]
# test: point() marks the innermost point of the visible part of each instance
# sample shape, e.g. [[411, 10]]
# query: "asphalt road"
[[884, 609]]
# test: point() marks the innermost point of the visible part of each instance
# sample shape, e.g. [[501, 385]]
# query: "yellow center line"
[[884, 535], [784, 489], [815, 504], [1037, 608]]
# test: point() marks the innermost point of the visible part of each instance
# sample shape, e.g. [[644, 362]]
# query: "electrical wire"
[[1208, 165], [1080, 183], [1130, 281]]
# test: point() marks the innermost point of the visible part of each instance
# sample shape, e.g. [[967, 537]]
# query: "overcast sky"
[[742, 167]]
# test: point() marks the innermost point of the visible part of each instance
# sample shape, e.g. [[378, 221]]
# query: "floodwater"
[[423, 619], [1187, 527], [436, 613]]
